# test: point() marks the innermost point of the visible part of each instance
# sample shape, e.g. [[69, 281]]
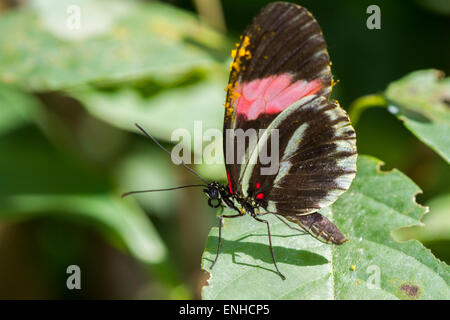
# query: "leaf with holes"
[[371, 265]]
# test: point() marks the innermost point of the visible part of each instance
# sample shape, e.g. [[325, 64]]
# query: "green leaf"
[[181, 107], [37, 180], [163, 113], [30, 164], [422, 101], [122, 218], [149, 168], [16, 108], [116, 41], [376, 204], [436, 223]]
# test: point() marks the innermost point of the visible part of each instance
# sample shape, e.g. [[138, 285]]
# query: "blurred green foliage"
[[68, 102], [422, 102]]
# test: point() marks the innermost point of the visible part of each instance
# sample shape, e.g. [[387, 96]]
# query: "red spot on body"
[[258, 185], [260, 196], [272, 95], [229, 183]]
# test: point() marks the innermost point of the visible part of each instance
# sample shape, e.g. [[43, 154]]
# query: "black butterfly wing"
[[282, 50], [317, 163], [280, 81]]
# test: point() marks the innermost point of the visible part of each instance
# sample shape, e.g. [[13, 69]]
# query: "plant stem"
[[363, 103]]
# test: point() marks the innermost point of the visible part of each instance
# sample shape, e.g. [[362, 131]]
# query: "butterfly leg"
[[270, 244], [220, 234]]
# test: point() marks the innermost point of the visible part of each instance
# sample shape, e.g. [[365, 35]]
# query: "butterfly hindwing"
[[317, 159]]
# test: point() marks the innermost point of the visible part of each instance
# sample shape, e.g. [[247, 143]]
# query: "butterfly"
[[280, 82]]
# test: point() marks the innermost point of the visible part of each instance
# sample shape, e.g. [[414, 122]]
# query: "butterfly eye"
[[213, 193]]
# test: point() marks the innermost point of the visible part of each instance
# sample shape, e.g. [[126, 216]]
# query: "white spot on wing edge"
[[284, 169], [294, 141]]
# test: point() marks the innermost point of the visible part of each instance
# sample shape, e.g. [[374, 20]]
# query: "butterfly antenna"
[[168, 152], [166, 189]]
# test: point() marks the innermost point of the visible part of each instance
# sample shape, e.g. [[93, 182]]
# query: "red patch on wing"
[[258, 185], [260, 195], [272, 95], [229, 183]]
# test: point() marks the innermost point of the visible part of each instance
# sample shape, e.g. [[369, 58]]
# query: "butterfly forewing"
[[281, 58], [280, 79]]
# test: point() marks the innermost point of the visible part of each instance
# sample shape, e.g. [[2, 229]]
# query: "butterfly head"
[[213, 193]]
